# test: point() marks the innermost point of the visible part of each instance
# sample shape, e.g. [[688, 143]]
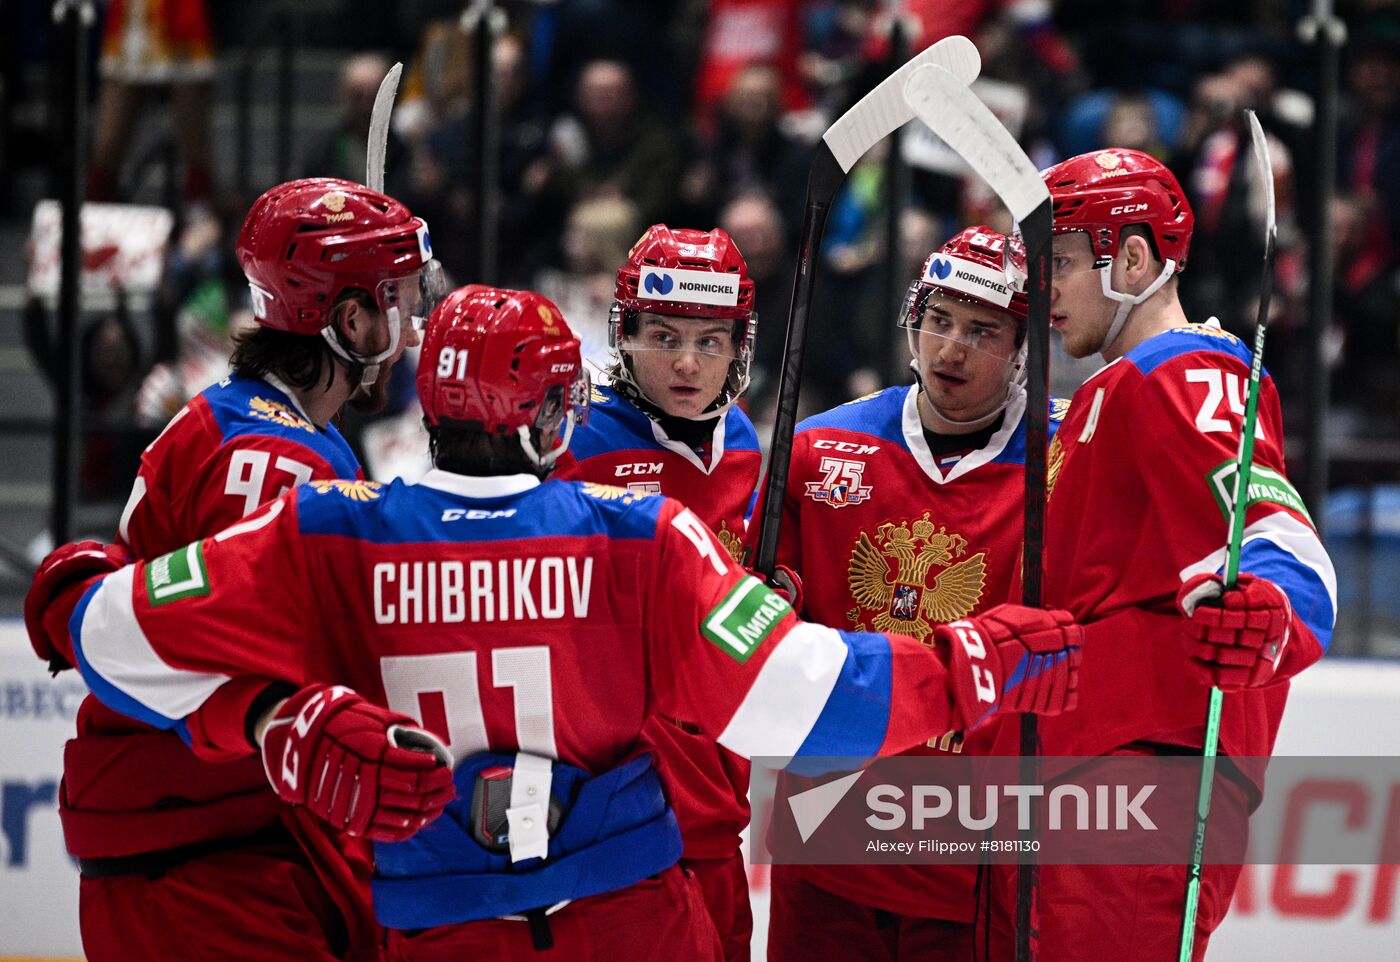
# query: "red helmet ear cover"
[[492, 356], [306, 242], [1104, 191], [682, 249]]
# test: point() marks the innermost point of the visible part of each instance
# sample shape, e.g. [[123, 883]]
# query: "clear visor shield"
[[948, 332], [561, 400], [709, 338], [415, 295]]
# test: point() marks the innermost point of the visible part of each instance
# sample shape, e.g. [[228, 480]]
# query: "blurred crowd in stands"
[[615, 114]]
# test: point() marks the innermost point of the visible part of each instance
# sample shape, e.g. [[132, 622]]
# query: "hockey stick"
[[877, 115], [378, 147], [1244, 465], [964, 123]]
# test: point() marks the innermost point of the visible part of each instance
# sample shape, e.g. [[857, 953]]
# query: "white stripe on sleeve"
[[117, 649], [1292, 536], [788, 696]]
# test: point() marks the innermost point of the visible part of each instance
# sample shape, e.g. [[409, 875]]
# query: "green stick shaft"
[[1239, 502]]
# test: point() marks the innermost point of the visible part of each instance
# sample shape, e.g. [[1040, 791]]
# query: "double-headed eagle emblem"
[[354, 490], [730, 542], [889, 578], [265, 409]]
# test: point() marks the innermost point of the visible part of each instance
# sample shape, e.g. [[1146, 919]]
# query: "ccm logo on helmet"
[[561, 368], [1127, 209]]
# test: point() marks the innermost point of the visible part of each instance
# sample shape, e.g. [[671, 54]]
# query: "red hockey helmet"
[[505, 361], [687, 273], [666, 273], [306, 242], [1106, 190], [979, 266]]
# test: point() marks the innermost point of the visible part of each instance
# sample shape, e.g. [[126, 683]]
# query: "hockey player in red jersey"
[[904, 509], [533, 627], [338, 274], [682, 331], [1153, 437]]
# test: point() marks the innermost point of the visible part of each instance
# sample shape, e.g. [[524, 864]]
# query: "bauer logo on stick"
[[689, 287]]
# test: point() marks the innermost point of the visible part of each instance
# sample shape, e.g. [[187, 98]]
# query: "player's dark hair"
[[301, 361], [462, 447]]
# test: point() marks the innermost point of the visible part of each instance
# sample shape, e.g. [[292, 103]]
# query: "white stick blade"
[[1266, 169], [883, 111], [965, 124], [378, 145]]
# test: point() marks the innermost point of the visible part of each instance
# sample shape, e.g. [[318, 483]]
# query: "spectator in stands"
[[437, 83], [146, 45], [341, 151], [1366, 312], [448, 174], [757, 227], [748, 150], [599, 233], [1369, 147], [612, 146]]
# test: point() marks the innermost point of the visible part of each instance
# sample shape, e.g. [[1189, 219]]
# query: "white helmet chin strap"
[[547, 459], [371, 363], [1126, 302]]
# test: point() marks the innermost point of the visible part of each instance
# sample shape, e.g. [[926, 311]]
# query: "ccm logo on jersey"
[[635, 470], [845, 447], [475, 514], [1127, 209]]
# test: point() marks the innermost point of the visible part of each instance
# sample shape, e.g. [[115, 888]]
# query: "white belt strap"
[[528, 816]]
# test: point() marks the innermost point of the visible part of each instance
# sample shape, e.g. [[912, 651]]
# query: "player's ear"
[[354, 322], [1139, 266]]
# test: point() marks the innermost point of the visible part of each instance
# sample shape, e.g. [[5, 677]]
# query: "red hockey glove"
[[343, 758], [1013, 659], [67, 565], [786, 584], [1237, 637]]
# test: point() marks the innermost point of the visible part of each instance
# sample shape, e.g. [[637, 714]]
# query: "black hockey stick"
[[1244, 463], [954, 113], [877, 115]]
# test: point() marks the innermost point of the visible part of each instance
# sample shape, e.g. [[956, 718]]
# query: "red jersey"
[[235, 446], [888, 536], [620, 445], [1141, 477], [507, 614]]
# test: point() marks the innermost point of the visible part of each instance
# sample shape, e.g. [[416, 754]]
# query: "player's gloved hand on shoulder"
[[1236, 636], [1013, 659], [67, 565], [344, 758]]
